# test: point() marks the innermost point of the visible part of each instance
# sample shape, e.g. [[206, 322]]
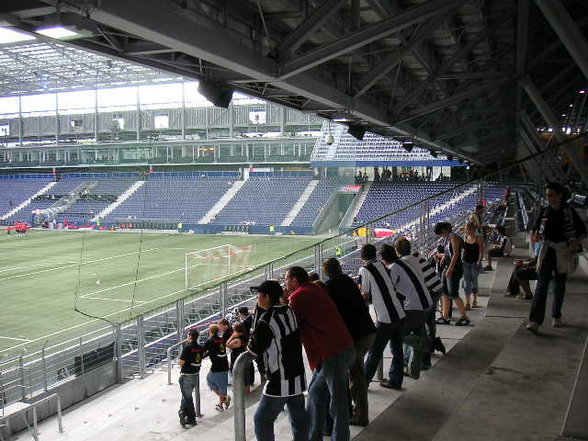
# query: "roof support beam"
[[469, 127], [298, 36], [447, 64], [451, 100], [389, 62], [567, 31], [363, 37]]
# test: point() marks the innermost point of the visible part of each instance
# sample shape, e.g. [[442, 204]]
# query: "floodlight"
[[8, 35], [57, 32]]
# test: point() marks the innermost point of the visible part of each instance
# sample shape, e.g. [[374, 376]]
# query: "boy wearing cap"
[[190, 361], [277, 345], [218, 377]]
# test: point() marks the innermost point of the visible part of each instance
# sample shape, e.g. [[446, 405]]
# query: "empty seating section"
[[179, 198], [386, 197], [317, 201], [263, 200], [15, 189]]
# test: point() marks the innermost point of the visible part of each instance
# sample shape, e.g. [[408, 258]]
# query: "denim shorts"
[[218, 381], [451, 285]]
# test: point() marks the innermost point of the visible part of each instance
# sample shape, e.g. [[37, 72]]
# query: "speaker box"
[[217, 94], [356, 131]]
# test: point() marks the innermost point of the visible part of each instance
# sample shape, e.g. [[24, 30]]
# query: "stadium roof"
[[44, 65], [462, 76]]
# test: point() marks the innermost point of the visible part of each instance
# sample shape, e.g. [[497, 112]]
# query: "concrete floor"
[[497, 382]]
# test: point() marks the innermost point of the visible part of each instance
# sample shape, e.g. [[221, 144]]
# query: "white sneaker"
[[557, 323], [533, 327]]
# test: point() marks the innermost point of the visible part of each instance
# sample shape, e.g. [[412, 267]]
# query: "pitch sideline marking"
[[14, 338], [76, 264], [131, 283]]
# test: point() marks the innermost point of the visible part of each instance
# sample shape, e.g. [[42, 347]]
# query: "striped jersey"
[[408, 280], [430, 276], [375, 280], [277, 344]]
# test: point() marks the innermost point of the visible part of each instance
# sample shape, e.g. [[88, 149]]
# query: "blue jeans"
[[547, 272], [187, 384], [470, 277], [386, 332], [331, 377], [268, 410]]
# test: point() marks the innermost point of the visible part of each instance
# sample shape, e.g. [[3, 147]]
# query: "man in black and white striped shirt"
[[376, 285], [277, 344]]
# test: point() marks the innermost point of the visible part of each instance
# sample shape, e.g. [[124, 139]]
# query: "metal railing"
[[5, 419], [239, 372]]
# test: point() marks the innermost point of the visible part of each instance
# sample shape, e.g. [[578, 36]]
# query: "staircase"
[[299, 204], [120, 200], [16, 209], [222, 202], [359, 200]]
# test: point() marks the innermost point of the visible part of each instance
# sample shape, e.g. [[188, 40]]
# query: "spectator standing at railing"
[[277, 345], [329, 349], [190, 362], [218, 377], [408, 279], [559, 230], [451, 275], [473, 252], [478, 220], [354, 311], [376, 286]]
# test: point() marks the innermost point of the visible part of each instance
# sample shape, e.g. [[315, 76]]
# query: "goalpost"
[[215, 263]]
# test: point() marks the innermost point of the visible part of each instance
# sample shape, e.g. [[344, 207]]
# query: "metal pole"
[[22, 380], [44, 362], [59, 418], [567, 31], [197, 397], [239, 393], [35, 428], [180, 318], [223, 299], [141, 346], [118, 345]]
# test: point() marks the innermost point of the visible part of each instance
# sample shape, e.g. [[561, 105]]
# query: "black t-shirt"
[[554, 223], [217, 351], [248, 323], [351, 305], [192, 355]]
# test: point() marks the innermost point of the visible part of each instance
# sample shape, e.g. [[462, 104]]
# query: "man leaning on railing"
[[277, 344]]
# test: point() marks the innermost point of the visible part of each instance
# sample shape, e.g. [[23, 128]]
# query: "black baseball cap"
[[270, 287]]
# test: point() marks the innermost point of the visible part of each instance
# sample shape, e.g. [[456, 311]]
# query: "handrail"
[[34, 431], [169, 360], [239, 370]]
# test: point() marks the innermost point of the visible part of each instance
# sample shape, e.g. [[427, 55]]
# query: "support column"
[[20, 121], [231, 122], [96, 116], [56, 119], [138, 115], [567, 31], [282, 120], [183, 122]]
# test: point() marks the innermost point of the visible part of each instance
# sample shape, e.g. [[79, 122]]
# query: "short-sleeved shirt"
[[554, 223], [375, 279], [192, 355], [408, 279], [217, 351]]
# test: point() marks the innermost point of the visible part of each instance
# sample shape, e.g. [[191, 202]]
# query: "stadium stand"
[[174, 197], [263, 200], [318, 199], [16, 189]]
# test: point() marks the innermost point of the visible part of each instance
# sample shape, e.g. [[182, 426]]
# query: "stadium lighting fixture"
[[433, 153], [8, 35], [57, 32], [329, 139]]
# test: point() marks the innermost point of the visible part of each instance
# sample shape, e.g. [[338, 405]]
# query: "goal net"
[[215, 264]]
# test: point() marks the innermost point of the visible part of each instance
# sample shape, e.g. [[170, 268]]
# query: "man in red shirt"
[[330, 351]]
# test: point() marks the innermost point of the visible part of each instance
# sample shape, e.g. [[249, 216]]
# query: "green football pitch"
[[46, 275]]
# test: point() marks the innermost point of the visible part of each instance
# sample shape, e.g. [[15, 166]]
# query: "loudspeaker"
[[219, 95], [356, 131], [408, 146]]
